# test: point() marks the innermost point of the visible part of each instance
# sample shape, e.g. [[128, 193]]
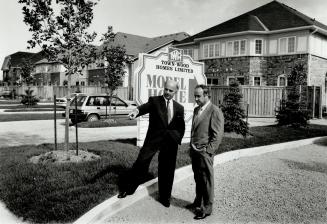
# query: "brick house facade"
[[260, 48]]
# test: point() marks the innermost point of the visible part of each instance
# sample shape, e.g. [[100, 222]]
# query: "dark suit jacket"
[[208, 129], [159, 129]]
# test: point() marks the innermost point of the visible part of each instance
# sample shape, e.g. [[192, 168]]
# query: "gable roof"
[[269, 17], [16, 59], [160, 41], [135, 44]]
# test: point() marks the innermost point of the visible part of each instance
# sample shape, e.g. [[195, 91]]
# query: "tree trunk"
[[67, 116]]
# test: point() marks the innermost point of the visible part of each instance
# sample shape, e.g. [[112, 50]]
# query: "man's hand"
[[133, 114]]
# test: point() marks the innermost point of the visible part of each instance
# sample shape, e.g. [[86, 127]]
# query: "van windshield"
[[80, 100]]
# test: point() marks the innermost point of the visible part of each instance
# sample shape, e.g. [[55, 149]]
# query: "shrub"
[[234, 114], [29, 99], [291, 113], [293, 110]]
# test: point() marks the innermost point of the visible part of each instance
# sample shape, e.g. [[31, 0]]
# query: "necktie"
[[168, 112]]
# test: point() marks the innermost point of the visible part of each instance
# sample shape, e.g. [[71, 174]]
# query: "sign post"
[[150, 78]]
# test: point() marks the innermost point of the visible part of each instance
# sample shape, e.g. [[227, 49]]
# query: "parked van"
[[96, 106]]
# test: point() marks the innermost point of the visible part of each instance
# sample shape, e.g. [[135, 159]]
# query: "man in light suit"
[[165, 132], [206, 135]]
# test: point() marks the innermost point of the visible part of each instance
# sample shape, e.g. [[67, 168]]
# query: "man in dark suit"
[[206, 135], [165, 132]]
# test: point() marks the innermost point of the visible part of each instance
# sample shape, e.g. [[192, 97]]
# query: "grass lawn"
[[3, 101], [21, 106], [62, 193], [27, 116], [121, 120], [115, 121]]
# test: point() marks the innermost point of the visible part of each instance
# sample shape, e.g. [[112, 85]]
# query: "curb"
[[113, 205]]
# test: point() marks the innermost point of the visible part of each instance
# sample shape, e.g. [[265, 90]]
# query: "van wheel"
[[92, 117]]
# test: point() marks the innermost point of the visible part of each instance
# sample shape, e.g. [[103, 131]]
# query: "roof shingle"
[[135, 44], [273, 16]]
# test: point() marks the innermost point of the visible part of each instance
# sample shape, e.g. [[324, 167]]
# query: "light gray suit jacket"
[[207, 128]]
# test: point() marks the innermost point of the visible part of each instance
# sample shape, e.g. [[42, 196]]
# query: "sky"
[[149, 18]]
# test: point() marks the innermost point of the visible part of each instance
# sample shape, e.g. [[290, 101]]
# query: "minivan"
[[93, 107]]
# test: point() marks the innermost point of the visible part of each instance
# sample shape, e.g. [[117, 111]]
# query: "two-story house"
[[260, 48], [53, 73], [12, 65]]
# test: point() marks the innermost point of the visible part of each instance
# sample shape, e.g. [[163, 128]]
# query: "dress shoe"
[[165, 203], [201, 215], [122, 194]]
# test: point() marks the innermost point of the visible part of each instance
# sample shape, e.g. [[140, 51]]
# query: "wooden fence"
[[258, 101], [261, 101], [264, 101], [47, 92]]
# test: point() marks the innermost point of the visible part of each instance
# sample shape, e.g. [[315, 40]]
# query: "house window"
[[291, 44], [287, 45], [223, 49], [242, 47], [229, 48], [257, 81], [206, 51], [82, 83], [188, 52], [258, 46], [233, 79], [211, 50], [282, 80], [212, 81], [236, 50], [217, 49]]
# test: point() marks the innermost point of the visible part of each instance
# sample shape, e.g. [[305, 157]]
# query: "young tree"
[[27, 78], [26, 74], [234, 114], [60, 29], [114, 60]]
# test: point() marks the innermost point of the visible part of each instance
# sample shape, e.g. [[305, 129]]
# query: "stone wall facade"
[[269, 68], [282, 65], [221, 68], [318, 74]]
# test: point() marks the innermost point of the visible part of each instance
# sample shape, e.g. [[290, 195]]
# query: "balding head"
[[171, 87]]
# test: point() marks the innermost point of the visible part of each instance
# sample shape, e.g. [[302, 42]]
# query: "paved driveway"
[[286, 186]]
